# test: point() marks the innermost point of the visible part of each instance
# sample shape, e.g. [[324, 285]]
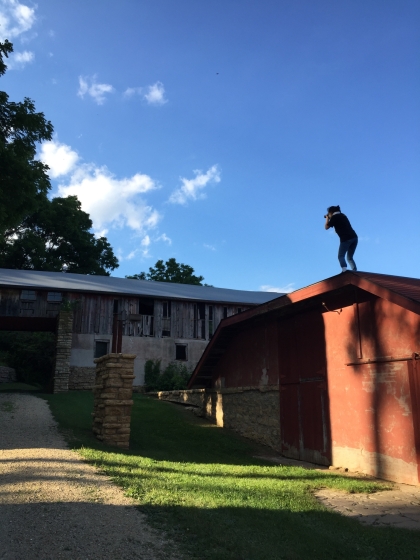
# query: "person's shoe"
[[344, 269]]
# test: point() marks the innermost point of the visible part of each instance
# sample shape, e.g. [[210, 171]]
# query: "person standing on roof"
[[348, 237]]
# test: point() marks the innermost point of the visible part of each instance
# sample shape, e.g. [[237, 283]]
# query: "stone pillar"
[[113, 393], [62, 352]]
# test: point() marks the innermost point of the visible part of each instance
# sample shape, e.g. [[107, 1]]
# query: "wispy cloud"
[[164, 238], [89, 86], [20, 59], [110, 201], [282, 290], [209, 247], [131, 91], [191, 189], [15, 19], [155, 94]]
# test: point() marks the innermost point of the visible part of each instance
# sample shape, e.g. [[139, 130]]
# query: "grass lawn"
[[201, 484], [18, 387]]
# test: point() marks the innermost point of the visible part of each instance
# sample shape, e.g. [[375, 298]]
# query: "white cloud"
[[282, 290], [60, 158], [164, 238], [129, 92], [192, 188], [89, 86], [20, 59], [155, 94], [209, 247], [15, 19]]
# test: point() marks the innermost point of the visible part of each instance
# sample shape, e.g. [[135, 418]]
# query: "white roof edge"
[[69, 282]]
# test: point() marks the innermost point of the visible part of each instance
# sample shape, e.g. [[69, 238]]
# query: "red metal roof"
[[407, 287]]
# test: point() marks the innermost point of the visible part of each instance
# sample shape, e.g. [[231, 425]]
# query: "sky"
[[218, 132]]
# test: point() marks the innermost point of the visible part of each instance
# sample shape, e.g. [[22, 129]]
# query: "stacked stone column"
[[62, 352], [113, 393]]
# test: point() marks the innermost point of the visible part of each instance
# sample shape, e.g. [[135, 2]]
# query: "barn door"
[[304, 412]]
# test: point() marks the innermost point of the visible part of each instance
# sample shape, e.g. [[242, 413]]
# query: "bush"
[[174, 377]]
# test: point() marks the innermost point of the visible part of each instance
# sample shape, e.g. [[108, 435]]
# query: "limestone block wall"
[[82, 378], [7, 374], [253, 412], [113, 402], [63, 350]]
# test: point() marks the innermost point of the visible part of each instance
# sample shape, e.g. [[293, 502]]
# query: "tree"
[[57, 238], [171, 271], [23, 179]]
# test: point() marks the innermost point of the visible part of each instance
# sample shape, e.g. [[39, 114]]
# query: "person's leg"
[[342, 250], [350, 252]]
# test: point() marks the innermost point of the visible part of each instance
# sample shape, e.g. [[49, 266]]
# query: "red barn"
[[344, 355]]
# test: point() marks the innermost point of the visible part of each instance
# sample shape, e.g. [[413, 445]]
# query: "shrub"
[[174, 377]]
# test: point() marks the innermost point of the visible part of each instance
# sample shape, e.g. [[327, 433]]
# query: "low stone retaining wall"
[[7, 374], [113, 401], [81, 378], [253, 412]]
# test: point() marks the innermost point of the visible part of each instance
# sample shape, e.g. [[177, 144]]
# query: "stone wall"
[[82, 378], [7, 374], [63, 350], [113, 393], [252, 412]]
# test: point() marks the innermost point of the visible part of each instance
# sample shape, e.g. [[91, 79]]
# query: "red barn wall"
[[373, 411], [251, 359]]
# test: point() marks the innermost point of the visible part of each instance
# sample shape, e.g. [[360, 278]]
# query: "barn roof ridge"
[[71, 282], [403, 291]]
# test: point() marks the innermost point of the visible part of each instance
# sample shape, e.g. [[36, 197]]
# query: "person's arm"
[[327, 222]]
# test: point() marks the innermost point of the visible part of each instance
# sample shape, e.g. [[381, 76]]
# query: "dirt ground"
[[53, 505]]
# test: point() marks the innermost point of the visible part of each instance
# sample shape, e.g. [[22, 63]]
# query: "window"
[[211, 324], [225, 313], [166, 323], [54, 297], [101, 348], [181, 352], [146, 306], [199, 325], [239, 309], [28, 295], [115, 308]]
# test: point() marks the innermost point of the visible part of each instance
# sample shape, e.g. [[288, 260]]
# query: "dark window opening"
[[199, 325], [166, 308], [54, 297], [181, 352], [101, 348], [166, 322], [146, 306], [225, 313], [239, 309], [211, 324], [28, 295], [116, 306]]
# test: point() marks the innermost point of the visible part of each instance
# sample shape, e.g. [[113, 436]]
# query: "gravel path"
[[53, 505]]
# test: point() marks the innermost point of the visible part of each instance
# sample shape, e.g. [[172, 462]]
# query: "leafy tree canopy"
[[57, 238], [171, 271], [23, 179]]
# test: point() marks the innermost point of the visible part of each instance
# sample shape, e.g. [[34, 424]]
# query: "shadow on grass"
[[19, 388]]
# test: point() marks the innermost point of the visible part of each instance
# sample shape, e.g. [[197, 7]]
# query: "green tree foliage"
[[23, 179], [174, 377], [57, 238], [171, 271], [31, 354]]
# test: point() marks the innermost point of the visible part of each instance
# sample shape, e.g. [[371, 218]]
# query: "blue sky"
[[218, 131]]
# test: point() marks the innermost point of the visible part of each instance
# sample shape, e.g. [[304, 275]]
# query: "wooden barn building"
[[328, 374], [154, 320]]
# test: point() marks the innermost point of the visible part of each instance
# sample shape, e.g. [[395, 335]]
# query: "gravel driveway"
[[53, 505]]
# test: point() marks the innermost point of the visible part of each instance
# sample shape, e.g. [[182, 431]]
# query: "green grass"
[[18, 387], [201, 484]]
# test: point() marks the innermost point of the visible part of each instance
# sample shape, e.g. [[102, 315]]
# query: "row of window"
[[30, 295], [102, 348]]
